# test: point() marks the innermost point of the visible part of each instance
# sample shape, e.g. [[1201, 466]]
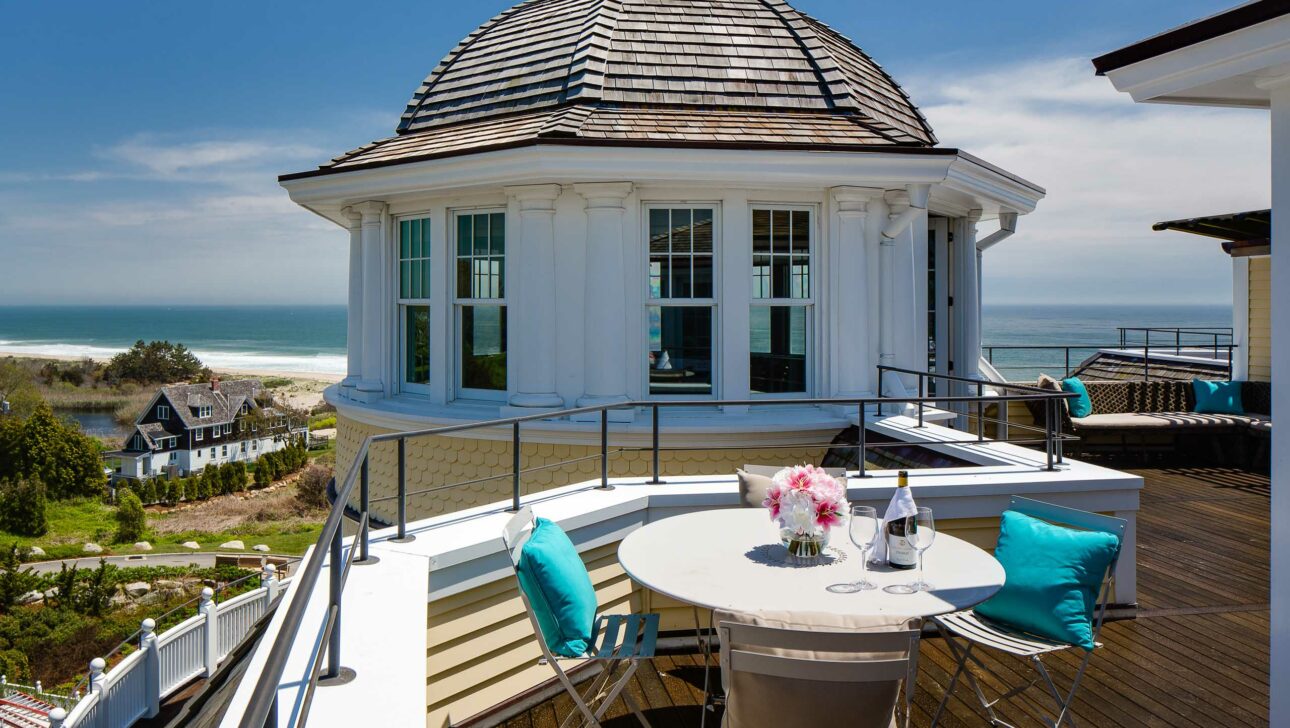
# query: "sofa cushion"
[[1080, 406], [1260, 424], [559, 590], [1257, 397], [1159, 420], [1218, 398]]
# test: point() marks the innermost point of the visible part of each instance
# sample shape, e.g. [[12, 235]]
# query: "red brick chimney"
[[214, 384]]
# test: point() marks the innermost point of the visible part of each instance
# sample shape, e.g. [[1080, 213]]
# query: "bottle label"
[[900, 554]]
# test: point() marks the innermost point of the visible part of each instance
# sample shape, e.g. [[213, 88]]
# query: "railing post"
[[1051, 412], [863, 445], [333, 643], [151, 667], [1146, 360], [269, 580], [515, 467], [364, 497], [654, 438], [57, 717], [403, 490], [210, 629], [980, 412], [921, 388], [604, 449], [1068, 361]]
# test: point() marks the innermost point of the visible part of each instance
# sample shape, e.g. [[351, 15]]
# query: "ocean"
[[303, 339], [311, 339]]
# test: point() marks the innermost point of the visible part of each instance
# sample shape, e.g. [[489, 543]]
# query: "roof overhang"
[[1230, 59], [1245, 234], [960, 181]]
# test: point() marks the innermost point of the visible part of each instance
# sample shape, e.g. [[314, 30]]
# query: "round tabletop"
[[733, 559]]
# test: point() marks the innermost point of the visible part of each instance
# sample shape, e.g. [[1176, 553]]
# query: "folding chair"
[[629, 638], [976, 630], [813, 668]]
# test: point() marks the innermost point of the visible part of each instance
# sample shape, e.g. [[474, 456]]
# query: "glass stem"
[[864, 566], [920, 568]]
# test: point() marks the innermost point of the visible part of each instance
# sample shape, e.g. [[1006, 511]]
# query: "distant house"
[[187, 427]]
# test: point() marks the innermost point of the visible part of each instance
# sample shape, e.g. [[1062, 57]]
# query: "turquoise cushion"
[[1053, 578], [1218, 398], [559, 590], [1081, 406]]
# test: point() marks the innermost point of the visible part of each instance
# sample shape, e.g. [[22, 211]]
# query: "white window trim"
[[714, 303], [163, 412], [228, 427], [199, 434], [460, 392], [809, 303]]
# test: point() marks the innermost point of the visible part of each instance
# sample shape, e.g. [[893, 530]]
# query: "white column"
[[852, 369], [354, 318], [531, 328], [967, 298], [370, 386], [888, 251], [604, 307], [1279, 673], [1241, 318]]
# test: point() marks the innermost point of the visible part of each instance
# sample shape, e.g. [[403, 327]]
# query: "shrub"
[[271, 465], [190, 489], [311, 487], [22, 507], [174, 492], [46, 449], [203, 487], [131, 520], [240, 477], [15, 581], [156, 362], [211, 480], [228, 478], [147, 492], [262, 474]]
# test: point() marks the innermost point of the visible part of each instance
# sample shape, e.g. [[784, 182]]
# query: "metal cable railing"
[[261, 710]]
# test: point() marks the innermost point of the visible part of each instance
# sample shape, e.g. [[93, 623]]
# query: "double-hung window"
[[198, 433], [681, 300], [414, 303], [782, 303], [163, 412], [480, 302]]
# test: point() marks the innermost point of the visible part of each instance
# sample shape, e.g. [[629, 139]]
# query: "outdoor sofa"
[[1160, 414]]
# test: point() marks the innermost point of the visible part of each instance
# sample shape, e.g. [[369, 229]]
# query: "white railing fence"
[[8, 689], [135, 687]]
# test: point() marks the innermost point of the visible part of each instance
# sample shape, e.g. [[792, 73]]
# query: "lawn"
[[270, 516]]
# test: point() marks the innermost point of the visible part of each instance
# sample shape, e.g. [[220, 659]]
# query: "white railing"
[[164, 663]]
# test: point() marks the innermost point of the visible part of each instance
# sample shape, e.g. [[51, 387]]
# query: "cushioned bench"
[[1160, 406]]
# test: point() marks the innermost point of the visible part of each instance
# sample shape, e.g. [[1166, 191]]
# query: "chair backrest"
[[881, 656], [517, 533], [1086, 521]]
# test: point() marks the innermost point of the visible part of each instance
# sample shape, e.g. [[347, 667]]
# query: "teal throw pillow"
[[1218, 398], [1080, 406], [559, 590], [1054, 574]]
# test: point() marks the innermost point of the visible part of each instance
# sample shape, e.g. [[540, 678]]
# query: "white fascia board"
[[571, 163], [988, 189], [1168, 78]]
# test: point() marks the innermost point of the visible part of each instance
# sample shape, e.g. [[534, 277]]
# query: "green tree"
[[155, 362], [212, 481], [262, 474], [190, 489], [95, 595], [147, 491], [131, 519], [22, 507], [240, 477], [18, 388], [46, 449], [15, 581], [227, 479], [174, 491], [203, 487]]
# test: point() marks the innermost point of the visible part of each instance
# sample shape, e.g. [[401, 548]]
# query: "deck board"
[[1195, 656]]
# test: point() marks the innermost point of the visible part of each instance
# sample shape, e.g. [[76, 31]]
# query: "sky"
[[140, 142]]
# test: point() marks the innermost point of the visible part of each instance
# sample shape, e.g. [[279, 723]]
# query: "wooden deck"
[[1196, 655]]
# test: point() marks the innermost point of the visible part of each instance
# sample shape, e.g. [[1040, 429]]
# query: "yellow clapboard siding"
[[1259, 336]]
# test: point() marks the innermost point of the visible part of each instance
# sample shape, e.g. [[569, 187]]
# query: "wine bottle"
[[900, 555]]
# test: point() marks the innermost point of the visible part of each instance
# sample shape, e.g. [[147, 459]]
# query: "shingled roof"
[[744, 73]]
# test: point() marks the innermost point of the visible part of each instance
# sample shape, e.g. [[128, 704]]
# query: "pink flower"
[[773, 498], [827, 515]]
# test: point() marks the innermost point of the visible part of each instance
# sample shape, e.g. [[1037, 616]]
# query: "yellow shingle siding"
[[1260, 321]]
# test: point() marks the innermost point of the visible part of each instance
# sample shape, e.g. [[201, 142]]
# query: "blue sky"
[[147, 136]]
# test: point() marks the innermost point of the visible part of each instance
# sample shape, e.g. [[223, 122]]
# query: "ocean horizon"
[[311, 339]]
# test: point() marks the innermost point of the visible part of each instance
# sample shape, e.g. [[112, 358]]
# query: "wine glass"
[[863, 529], [920, 537]]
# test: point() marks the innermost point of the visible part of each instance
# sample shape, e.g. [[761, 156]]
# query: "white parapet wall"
[[434, 631]]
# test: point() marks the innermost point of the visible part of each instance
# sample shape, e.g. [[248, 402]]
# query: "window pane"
[[659, 277], [703, 231], [761, 231], [483, 347], [497, 233], [425, 279], [801, 277], [405, 239], [778, 349], [680, 352], [658, 231], [761, 276], [681, 277], [415, 242], [405, 280], [780, 277], [801, 232], [702, 276], [416, 345], [481, 234], [779, 231], [465, 233], [681, 231]]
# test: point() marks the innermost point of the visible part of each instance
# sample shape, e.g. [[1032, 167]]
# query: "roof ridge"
[[586, 77], [423, 91]]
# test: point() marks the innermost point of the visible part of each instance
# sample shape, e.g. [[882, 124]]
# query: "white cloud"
[[1111, 168], [173, 159]]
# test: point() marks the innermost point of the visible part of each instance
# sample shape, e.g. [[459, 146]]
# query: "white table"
[[724, 559]]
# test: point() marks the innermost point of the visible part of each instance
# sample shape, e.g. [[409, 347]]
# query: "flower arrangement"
[[806, 502]]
